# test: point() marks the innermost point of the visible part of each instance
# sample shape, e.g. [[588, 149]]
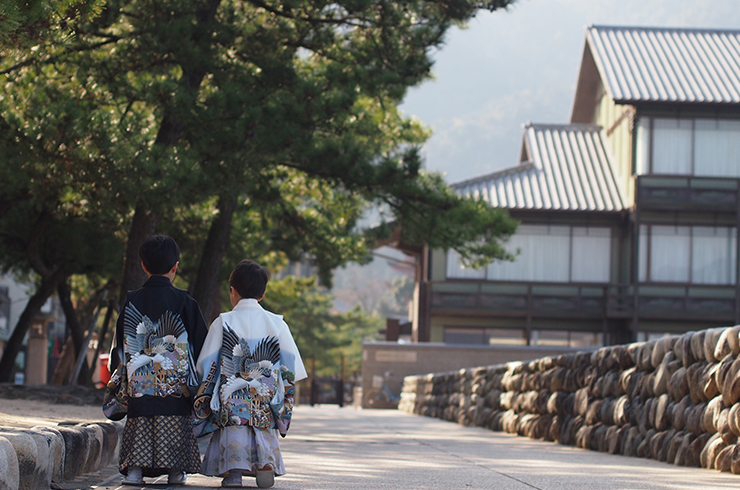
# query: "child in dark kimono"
[[249, 365], [159, 335]]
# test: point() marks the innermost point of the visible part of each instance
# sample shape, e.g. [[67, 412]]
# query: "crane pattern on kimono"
[[158, 348], [248, 374]]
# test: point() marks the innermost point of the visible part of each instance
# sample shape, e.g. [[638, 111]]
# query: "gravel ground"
[[29, 413]]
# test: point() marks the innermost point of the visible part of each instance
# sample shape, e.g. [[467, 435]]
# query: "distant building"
[[13, 298], [47, 332], [629, 213]]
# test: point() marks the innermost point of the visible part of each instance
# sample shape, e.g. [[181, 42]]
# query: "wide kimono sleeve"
[[289, 355], [208, 366], [117, 349], [292, 370]]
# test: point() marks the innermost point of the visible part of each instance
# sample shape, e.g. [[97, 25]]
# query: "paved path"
[[331, 448]]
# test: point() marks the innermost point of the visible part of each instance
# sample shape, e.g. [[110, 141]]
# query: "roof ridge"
[[589, 126], [498, 173], [657, 28]]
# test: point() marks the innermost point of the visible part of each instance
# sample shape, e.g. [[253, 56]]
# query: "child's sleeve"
[[284, 412], [289, 355], [117, 349], [209, 370], [291, 370]]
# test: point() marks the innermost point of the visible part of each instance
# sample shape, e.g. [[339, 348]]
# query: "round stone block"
[[94, 455], [110, 441], [9, 473], [44, 462], [27, 452], [56, 451], [76, 449]]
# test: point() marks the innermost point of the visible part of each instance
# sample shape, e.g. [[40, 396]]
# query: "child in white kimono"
[[249, 365]]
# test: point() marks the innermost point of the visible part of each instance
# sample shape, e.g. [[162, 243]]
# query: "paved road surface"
[[344, 448]]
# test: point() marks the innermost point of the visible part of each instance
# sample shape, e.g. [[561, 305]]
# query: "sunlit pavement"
[[340, 448]]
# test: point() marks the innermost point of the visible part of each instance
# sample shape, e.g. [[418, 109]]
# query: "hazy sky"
[[510, 67]]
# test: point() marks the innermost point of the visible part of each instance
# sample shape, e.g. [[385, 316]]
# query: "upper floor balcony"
[[685, 302], [682, 193]]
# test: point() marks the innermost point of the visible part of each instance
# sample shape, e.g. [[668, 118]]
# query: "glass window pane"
[[591, 254], [669, 253], [731, 131], [717, 148], [544, 255], [672, 146], [550, 257], [456, 270], [713, 255], [642, 148], [510, 271]]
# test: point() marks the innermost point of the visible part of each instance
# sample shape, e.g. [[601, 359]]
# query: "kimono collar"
[[158, 281], [247, 303]]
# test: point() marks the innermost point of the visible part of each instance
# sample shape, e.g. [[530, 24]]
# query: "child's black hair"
[[159, 254], [249, 279]]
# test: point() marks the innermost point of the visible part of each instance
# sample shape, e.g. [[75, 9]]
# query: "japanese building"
[[629, 213]]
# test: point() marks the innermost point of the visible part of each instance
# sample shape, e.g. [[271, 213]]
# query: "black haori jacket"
[[159, 335]]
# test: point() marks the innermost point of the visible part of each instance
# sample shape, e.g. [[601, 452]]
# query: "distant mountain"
[[510, 67]]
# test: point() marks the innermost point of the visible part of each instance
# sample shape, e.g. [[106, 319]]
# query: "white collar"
[[247, 303]]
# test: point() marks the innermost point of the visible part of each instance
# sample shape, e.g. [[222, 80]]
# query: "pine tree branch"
[[53, 59]]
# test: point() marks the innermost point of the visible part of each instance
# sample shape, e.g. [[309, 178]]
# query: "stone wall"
[[674, 399], [400, 360]]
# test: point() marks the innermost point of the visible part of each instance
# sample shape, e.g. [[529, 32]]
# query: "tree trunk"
[[142, 227], [75, 330], [112, 307], [64, 364], [35, 302], [206, 282]]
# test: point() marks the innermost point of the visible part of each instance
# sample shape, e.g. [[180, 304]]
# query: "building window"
[[544, 255], [591, 254], [547, 254], [699, 147], [456, 269], [4, 312], [687, 254]]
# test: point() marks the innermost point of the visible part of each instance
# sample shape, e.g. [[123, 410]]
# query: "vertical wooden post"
[[340, 388], [737, 255], [528, 329], [314, 384], [636, 264]]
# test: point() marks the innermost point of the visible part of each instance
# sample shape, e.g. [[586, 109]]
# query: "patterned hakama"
[[244, 448], [158, 444]]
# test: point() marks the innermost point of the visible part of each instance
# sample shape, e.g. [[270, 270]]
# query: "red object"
[[104, 372]]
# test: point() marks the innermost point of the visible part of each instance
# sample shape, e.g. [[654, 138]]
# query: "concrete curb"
[[31, 459]]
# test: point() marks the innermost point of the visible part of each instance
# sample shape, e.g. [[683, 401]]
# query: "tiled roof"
[[639, 64], [568, 170]]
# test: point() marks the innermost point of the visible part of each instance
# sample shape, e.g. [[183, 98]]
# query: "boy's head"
[[159, 254], [249, 279]]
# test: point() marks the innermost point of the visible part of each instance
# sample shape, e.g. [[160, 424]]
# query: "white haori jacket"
[[248, 365]]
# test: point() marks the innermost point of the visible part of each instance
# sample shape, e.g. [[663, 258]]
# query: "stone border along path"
[[676, 399], [36, 457]]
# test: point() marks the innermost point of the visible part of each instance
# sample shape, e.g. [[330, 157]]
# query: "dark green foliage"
[[23, 23], [285, 112]]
